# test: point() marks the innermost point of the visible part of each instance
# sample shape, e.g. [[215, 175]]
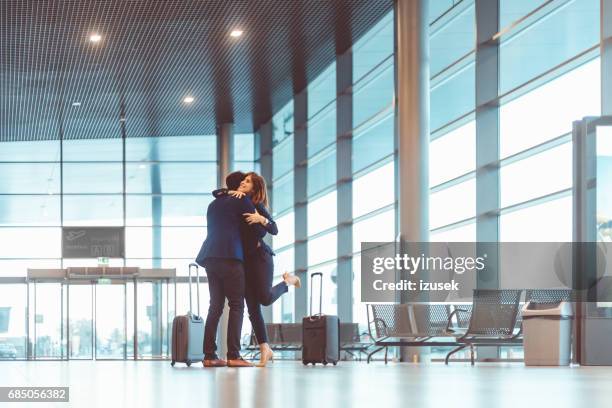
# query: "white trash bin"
[[547, 333]]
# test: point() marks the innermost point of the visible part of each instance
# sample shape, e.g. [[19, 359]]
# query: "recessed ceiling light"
[[95, 38], [188, 99], [76, 103], [236, 33]]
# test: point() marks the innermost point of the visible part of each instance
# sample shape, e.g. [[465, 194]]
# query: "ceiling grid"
[[154, 53]]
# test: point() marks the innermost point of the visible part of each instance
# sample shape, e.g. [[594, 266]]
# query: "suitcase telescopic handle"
[[192, 265], [320, 274]]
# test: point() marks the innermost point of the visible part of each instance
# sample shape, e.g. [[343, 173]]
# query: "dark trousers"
[[259, 270], [225, 280]]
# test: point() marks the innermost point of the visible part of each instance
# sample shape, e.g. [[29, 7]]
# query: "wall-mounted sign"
[[93, 242]]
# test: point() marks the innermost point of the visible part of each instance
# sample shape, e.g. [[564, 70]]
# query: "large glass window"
[[547, 112], [374, 93], [168, 184], [373, 189], [512, 10], [461, 233], [322, 248], [286, 229], [452, 37], [549, 221], [373, 142], [562, 30], [377, 228], [322, 130], [321, 91], [373, 48], [283, 309], [542, 174], [453, 154], [322, 171], [453, 204], [454, 95], [322, 213]]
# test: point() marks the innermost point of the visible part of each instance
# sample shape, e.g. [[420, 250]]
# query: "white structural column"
[[300, 191], [412, 113], [487, 140], [412, 127], [225, 156], [344, 173], [264, 155]]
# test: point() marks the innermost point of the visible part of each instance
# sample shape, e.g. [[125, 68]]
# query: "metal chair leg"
[[472, 354], [446, 360], [372, 353], [386, 352]]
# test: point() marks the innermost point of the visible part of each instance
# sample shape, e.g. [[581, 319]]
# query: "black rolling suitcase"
[[320, 334]]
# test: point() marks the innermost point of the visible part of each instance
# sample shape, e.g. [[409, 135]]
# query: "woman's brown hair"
[[260, 191]]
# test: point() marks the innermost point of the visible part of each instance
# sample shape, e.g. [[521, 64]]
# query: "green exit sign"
[[104, 281]]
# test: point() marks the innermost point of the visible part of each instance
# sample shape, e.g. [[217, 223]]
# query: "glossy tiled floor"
[[288, 384]]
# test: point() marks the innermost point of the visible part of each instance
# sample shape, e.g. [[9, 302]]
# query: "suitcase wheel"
[[335, 363], [325, 363], [172, 363], [189, 364], [305, 363]]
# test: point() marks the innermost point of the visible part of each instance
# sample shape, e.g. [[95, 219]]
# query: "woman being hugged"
[[258, 262]]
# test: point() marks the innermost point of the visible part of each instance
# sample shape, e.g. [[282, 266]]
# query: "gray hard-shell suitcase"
[[188, 331], [320, 334]]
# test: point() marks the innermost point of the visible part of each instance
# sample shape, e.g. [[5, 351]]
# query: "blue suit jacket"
[[252, 234], [224, 220]]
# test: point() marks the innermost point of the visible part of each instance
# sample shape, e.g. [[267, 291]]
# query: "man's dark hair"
[[232, 181]]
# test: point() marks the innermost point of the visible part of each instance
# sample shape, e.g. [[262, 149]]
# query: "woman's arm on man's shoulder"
[[220, 192]]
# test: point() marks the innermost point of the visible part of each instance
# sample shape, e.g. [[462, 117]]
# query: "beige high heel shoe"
[[292, 280], [265, 356]]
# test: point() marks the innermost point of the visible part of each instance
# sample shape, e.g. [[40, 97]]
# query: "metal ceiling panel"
[[153, 53]]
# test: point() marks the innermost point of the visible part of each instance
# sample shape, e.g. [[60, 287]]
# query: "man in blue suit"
[[222, 255]]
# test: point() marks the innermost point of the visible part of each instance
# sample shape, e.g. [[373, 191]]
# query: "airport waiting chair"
[[492, 320], [352, 341], [281, 337], [413, 325]]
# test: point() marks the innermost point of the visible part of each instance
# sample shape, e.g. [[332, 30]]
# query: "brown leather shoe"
[[238, 362], [217, 362]]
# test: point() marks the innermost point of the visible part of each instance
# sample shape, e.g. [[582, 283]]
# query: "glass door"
[[592, 139], [152, 319], [110, 321], [13, 322], [48, 316], [80, 321]]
